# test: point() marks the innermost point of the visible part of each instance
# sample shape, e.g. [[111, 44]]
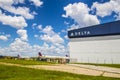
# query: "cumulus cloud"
[[102, 10], [4, 38], [25, 49], [66, 37], [16, 22], [20, 13], [84, 16], [34, 24], [79, 12], [36, 36], [10, 2], [37, 2], [55, 41], [23, 11], [19, 46], [107, 8], [51, 36], [53, 44], [54, 50], [48, 30], [18, 1], [64, 31], [23, 34], [39, 27], [6, 2], [73, 26]]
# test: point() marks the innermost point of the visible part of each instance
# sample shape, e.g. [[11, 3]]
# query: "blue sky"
[[31, 26]]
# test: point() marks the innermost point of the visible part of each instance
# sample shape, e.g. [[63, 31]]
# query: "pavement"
[[99, 68], [106, 71]]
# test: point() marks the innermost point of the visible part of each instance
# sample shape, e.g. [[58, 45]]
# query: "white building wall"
[[96, 49]]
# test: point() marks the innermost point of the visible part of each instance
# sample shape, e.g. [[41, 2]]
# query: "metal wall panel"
[[96, 51]]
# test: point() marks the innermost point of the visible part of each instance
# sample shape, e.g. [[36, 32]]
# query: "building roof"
[[107, 29]]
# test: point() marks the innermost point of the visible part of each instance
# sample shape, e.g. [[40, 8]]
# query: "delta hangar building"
[[96, 44]]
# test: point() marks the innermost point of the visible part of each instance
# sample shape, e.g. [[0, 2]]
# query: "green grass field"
[[108, 65], [26, 62], [33, 62], [20, 73]]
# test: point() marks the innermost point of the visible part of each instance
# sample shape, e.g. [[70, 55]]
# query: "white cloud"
[[19, 45], [25, 49], [66, 37], [23, 34], [37, 2], [79, 12], [6, 2], [54, 50], [23, 11], [18, 1], [102, 9], [36, 36], [107, 8], [66, 23], [54, 39], [39, 27], [14, 21], [4, 38], [34, 24], [51, 36], [17, 20], [10, 2], [64, 31], [34, 13], [48, 30], [73, 26], [53, 43]]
